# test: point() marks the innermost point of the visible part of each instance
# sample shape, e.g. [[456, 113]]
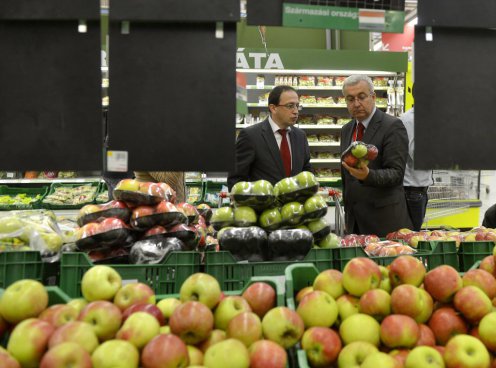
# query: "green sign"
[[333, 17]]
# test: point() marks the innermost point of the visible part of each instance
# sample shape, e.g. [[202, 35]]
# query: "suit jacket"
[[377, 204], [258, 156]]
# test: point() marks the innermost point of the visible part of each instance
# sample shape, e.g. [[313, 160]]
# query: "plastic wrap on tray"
[[116, 255], [292, 214], [245, 243], [107, 233], [359, 153], [94, 212], [153, 251], [387, 248], [355, 240], [137, 193], [189, 211], [257, 194], [205, 211], [290, 244], [164, 213], [222, 217], [244, 216], [319, 228], [296, 188], [270, 219], [315, 207], [187, 234]]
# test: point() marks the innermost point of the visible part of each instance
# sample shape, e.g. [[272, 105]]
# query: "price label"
[[117, 161]]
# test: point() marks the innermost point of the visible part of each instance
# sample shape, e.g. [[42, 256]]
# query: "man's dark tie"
[[360, 128], [285, 153]]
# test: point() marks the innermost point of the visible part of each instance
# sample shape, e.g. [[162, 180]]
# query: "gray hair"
[[357, 78]]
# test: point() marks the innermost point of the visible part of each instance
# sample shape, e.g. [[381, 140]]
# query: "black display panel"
[[50, 95], [457, 13], [173, 95], [455, 95]]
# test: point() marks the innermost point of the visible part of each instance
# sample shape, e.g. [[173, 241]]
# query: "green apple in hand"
[[359, 150]]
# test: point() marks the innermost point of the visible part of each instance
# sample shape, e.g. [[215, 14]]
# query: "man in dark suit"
[[273, 149], [374, 199]]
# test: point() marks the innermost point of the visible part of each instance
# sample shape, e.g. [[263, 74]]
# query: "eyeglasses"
[[291, 106], [360, 98]]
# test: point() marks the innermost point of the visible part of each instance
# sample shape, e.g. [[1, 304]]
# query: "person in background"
[[374, 199], [173, 178], [273, 149], [489, 220], [416, 182]]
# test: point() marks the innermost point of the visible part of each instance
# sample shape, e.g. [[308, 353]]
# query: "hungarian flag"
[[371, 19]]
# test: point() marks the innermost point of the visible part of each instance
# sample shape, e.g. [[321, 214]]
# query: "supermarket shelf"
[[329, 179], [315, 88], [44, 181], [325, 161], [324, 144], [314, 106], [316, 126]]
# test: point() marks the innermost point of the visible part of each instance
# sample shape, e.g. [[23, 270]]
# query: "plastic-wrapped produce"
[[222, 217], [94, 212], [107, 233], [315, 207], [270, 219], [258, 195], [245, 243], [359, 153], [164, 213], [290, 244], [187, 234], [143, 193], [319, 229], [152, 251], [296, 188], [292, 214]]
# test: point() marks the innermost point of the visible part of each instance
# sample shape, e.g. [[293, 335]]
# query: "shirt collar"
[[275, 127], [367, 121]]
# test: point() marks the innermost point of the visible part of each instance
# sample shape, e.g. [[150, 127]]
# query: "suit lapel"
[[347, 134], [271, 142], [374, 124], [294, 151]]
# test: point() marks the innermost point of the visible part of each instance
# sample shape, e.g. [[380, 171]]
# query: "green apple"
[[223, 215], [214, 337], [355, 353], [242, 187], [379, 359], [139, 328], [361, 274], [375, 303], [201, 287], [262, 187], [23, 299], [133, 293], [53, 241], [317, 226], [348, 305], [76, 331], [487, 331], [306, 179], [329, 281], [104, 317], [359, 150], [245, 216], [424, 357], [292, 213], [385, 281], [283, 326], [100, 283], [330, 241], [115, 353], [67, 354], [195, 355], [285, 186], [245, 327], [466, 351], [270, 219], [315, 203], [360, 327], [167, 307], [78, 303], [59, 314], [128, 184], [228, 308], [229, 353], [321, 301], [29, 340]]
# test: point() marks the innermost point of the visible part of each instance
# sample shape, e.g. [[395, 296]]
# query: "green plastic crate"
[[163, 278], [70, 206], [102, 189], [471, 252], [234, 275], [56, 296], [341, 256], [18, 265], [302, 359], [439, 253], [30, 192], [298, 276]]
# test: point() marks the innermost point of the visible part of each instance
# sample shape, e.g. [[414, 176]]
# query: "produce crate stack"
[[269, 227]]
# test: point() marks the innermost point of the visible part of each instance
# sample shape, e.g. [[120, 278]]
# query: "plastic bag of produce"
[[95, 212], [245, 243], [258, 195], [359, 153], [107, 233], [138, 193], [187, 234], [296, 188], [164, 213], [290, 244], [152, 251]]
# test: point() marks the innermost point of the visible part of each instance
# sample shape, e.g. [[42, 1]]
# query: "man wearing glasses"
[[374, 199], [273, 149]]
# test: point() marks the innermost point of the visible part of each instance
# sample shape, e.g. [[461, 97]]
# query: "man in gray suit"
[[374, 199], [273, 149]]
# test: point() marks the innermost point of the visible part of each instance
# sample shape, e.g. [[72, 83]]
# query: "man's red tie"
[[359, 132], [285, 153]]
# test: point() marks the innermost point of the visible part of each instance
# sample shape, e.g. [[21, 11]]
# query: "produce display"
[[135, 192], [258, 195], [71, 195], [18, 200], [359, 153]]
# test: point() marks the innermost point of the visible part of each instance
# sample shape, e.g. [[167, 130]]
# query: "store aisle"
[[487, 191]]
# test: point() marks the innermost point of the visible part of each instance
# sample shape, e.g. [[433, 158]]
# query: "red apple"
[[142, 211], [400, 355], [442, 283], [487, 264], [245, 327], [261, 297], [165, 351], [426, 336], [67, 354], [375, 303], [144, 307], [79, 332], [59, 314], [156, 230], [482, 279], [472, 303], [104, 317], [445, 323], [322, 346], [112, 223], [399, 331], [361, 274], [329, 281], [114, 204], [165, 207], [7, 360], [267, 354], [135, 292], [412, 301], [152, 189], [192, 322], [406, 270], [300, 294]]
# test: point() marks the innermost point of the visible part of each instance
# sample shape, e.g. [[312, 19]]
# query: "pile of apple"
[[359, 153], [144, 213], [123, 326], [400, 316]]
